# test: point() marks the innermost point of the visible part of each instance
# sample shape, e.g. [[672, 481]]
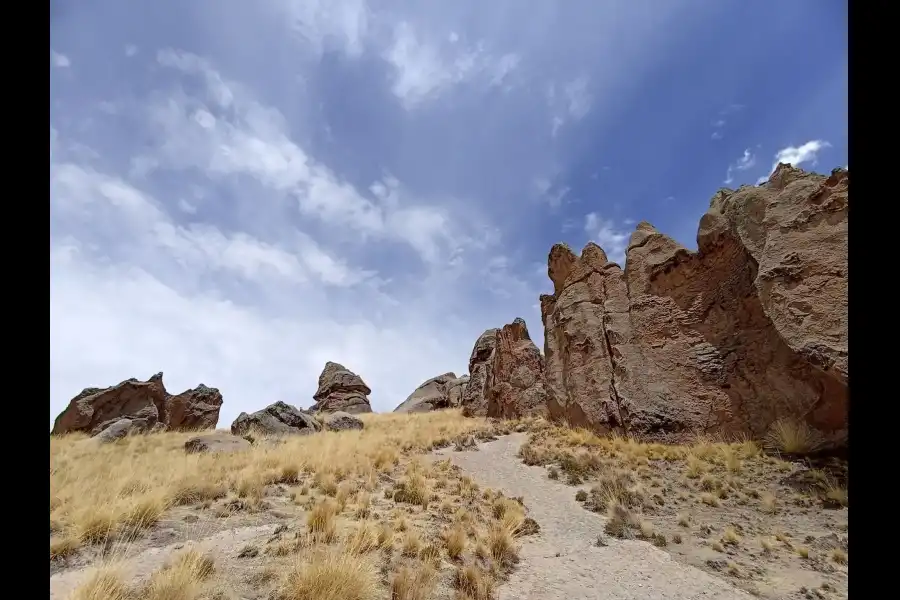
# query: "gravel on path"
[[564, 562]]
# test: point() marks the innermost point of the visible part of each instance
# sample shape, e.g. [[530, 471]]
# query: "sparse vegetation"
[[722, 491], [372, 517]]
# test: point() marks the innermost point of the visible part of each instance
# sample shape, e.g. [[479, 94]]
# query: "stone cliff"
[[750, 328]]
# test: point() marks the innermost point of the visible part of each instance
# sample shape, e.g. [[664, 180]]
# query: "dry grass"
[[413, 582], [790, 436], [101, 492], [374, 520], [330, 574]]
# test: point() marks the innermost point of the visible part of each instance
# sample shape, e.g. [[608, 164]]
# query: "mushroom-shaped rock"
[[340, 389]]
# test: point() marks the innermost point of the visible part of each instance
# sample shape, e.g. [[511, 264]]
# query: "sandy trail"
[[563, 562]]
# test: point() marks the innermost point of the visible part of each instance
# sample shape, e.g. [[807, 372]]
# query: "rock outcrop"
[[506, 375], [517, 375], [443, 391], [146, 404], [279, 418], [474, 398], [750, 328], [193, 409], [340, 389]]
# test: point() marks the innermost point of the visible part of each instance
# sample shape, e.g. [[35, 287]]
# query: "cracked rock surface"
[[750, 328]]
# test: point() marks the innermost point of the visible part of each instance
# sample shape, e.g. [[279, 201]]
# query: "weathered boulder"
[[279, 418], [506, 375], [750, 328], [193, 409], [340, 389], [95, 409], [517, 375], [341, 421], [146, 403], [217, 441], [443, 391], [119, 429], [474, 398]]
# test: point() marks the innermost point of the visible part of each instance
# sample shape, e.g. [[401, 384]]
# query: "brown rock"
[[517, 375], [146, 404], [474, 398], [506, 375], [340, 389], [750, 328], [194, 409], [443, 391], [95, 409]]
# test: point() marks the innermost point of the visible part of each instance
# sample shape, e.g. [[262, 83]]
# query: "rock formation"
[[517, 375], [443, 391], [340, 389], [506, 375], [145, 403], [276, 419], [750, 328], [474, 399]]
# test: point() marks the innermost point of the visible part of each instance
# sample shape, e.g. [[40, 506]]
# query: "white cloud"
[[254, 307], [571, 103], [745, 162], [229, 216], [130, 50], [59, 60], [608, 236], [796, 156], [425, 68]]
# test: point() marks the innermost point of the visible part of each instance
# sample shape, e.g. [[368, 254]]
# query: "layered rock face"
[[146, 404], [443, 391], [340, 389], [506, 375], [750, 328]]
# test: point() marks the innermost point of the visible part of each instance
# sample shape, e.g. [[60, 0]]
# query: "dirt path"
[[563, 562]]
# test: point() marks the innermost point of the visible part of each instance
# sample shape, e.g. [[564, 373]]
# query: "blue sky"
[[240, 191]]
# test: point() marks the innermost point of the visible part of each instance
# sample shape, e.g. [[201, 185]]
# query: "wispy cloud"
[[745, 162], [570, 101], [797, 155], [721, 121]]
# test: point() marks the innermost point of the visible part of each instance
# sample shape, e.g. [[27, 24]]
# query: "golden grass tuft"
[[792, 436], [455, 540], [473, 583], [413, 582], [105, 584], [331, 574], [183, 579]]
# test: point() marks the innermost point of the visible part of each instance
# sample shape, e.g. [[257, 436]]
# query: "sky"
[[242, 191]]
